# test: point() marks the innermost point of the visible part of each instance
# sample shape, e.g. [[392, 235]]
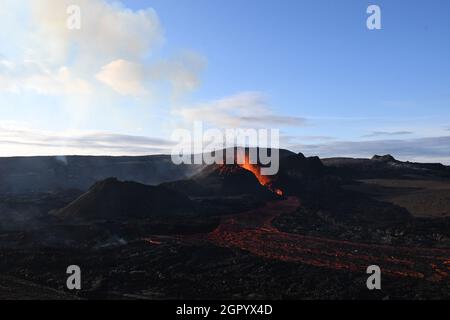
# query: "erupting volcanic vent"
[[266, 181]]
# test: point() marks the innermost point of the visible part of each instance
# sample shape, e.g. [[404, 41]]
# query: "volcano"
[[266, 181], [230, 180], [223, 180], [112, 199]]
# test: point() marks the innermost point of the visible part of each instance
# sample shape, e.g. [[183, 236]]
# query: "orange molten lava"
[[253, 231], [263, 180]]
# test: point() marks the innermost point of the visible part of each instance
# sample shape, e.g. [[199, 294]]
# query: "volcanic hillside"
[[112, 199], [222, 180], [299, 174], [385, 167]]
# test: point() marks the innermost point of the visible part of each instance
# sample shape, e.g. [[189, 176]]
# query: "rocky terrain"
[[225, 232]]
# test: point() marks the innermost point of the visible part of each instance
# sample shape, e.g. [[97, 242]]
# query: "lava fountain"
[[265, 181]]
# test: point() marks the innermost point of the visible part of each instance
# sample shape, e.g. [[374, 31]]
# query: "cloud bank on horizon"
[[119, 86], [23, 141]]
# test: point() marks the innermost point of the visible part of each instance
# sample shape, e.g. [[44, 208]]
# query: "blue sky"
[[351, 91]]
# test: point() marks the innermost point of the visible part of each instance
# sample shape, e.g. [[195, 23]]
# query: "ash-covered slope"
[[301, 166], [299, 175], [222, 180], [112, 199], [296, 173], [230, 180]]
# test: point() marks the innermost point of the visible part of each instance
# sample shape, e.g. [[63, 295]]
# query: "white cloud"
[[19, 140], [387, 133], [80, 73], [182, 72], [30, 76], [247, 109], [109, 31], [115, 45], [123, 76], [129, 78]]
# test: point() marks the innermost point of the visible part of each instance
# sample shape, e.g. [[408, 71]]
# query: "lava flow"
[[252, 231], [263, 180]]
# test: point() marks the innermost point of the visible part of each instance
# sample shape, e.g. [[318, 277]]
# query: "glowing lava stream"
[[252, 231], [263, 180]]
